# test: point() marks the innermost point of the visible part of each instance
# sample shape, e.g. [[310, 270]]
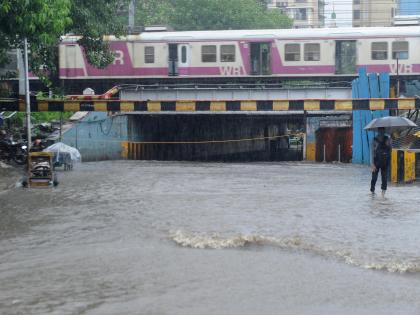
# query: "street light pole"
[[27, 96], [396, 113], [131, 15], [398, 75]]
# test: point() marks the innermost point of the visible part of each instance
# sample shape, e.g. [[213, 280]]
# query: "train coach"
[[223, 56]]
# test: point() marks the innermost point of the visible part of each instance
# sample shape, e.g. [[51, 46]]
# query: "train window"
[[380, 51], [208, 53], [400, 50], [227, 53], [292, 52], [149, 54], [312, 52], [184, 54]]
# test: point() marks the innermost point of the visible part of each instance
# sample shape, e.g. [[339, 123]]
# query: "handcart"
[[40, 170]]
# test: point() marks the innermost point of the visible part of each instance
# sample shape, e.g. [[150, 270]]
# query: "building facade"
[[305, 13], [409, 7], [368, 13], [408, 13]]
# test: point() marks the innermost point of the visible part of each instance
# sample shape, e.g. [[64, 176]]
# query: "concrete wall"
[[98, 136], [233, 94], [374, 13], [201, 137]]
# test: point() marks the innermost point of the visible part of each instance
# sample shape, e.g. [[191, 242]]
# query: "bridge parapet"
[[113, 105]]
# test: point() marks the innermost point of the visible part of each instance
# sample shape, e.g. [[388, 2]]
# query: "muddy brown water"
[[131, 237]]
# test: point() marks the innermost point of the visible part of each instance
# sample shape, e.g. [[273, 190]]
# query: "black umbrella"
[[390, 122]]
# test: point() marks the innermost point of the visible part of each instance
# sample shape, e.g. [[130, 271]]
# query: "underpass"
[[212, 130]]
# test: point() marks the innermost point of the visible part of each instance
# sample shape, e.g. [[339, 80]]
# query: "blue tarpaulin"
[[367, 86]]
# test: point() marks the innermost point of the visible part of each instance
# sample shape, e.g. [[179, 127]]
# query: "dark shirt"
[[376, 141]]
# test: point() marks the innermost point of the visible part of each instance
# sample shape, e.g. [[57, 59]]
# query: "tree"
[[93, 19], [153, 12], [210, 14], [43, 22]]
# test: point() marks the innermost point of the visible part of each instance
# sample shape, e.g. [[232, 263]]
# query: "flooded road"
[[183, 238]]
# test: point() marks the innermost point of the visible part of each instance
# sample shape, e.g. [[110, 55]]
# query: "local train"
[[225, 55]]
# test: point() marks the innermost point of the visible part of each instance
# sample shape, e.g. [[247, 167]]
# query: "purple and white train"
[[223, 55]]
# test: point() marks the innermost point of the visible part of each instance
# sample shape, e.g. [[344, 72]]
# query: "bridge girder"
[[116, 105]]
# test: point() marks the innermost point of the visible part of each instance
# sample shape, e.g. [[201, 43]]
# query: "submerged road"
[[133, 237]]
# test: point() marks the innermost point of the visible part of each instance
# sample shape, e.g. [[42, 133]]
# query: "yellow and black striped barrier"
[[110, 105], [404, 166], [146, 150]]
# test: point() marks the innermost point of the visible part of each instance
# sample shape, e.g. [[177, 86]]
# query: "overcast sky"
[[343, 10]]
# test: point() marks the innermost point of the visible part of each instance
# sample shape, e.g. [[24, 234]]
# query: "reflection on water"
[[115, 237]]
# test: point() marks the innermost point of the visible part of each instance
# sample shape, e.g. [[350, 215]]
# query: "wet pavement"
[[209, 238]]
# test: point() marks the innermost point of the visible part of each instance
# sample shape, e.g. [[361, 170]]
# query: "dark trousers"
[[384, 177]]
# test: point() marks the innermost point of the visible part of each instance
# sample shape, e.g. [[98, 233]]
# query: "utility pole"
[[27, 95], [131, 15], [396, 112], [398, 75]]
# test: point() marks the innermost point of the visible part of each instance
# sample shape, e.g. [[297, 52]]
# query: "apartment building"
[[305, 13], [368, 13], [408, 13], [409, 7]]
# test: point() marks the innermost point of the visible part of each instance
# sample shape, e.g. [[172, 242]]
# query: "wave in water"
[[206, 241]]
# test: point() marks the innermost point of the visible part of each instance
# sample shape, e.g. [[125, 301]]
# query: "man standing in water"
[[379, 159]]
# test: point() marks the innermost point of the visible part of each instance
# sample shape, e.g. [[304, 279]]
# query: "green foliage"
[[93, 19], [49, 116], [42, 22], [210, 14], [39, 117], [45, 96], [150, 12]]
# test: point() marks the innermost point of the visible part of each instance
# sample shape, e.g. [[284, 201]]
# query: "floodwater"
[[155, 238]]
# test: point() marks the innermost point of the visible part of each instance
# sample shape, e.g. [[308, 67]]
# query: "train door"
[[345, 57], [173, 60], [260, 58]]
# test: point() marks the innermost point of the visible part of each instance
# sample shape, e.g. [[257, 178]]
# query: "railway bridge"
[[83, 103], [213, 130]]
